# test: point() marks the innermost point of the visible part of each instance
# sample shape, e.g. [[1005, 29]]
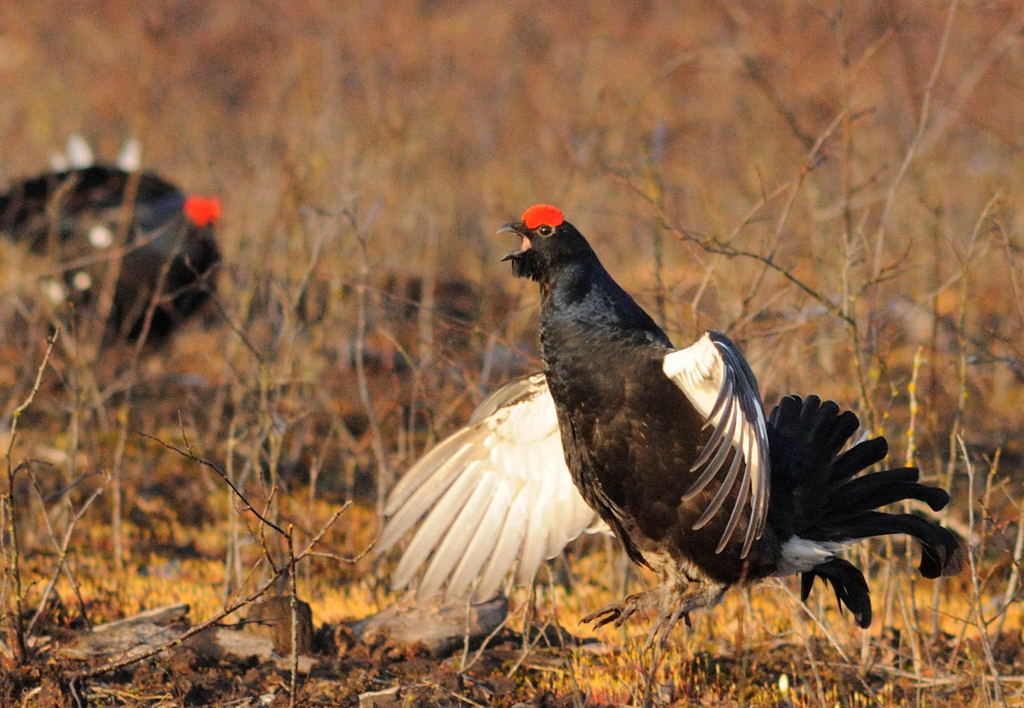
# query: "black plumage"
[[73, 218], [636, 427]]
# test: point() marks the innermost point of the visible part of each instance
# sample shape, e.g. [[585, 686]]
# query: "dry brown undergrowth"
[[838, 187]]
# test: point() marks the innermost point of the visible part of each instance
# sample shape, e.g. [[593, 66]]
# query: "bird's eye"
[[544, 230]]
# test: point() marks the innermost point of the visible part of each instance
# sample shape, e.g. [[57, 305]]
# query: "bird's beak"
[[517, 228]]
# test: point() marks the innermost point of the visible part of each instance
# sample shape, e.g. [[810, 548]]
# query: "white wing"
[[130, 157], [79, 152], [494, 496], [718, 382]]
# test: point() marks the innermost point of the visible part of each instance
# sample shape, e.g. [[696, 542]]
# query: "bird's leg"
[[619, 612], [678, 602], [663, 626]]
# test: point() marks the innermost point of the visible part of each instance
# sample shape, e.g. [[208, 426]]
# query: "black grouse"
[[670, 447], [74, 218]]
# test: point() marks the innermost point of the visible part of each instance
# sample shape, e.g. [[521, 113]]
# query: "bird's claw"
[[617, 612], [664, 625]]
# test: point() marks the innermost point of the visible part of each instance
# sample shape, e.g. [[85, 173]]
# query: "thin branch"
[[986, 643], [227, 480], [191, 632], [293, 603], [62, 546], [714, 245], [915, 142], [13, 552]]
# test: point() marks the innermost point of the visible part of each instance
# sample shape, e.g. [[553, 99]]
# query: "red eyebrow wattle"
[[542, 214]]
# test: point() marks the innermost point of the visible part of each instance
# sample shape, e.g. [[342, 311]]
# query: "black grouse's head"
[[549, 242]]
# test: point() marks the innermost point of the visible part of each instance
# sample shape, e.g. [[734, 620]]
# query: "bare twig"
[[227, 480], [62, 547], [1010, 593], [293, 602], [233, 607], [12, 550], [977, 602], [922, 124], [385, 475]]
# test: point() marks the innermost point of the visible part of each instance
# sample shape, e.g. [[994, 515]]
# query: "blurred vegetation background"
[[835, 185], [878, 141]]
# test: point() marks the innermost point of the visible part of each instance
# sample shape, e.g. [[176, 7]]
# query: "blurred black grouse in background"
[[670, 447], [75, 218]]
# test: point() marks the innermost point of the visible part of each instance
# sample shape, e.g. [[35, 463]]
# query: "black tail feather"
[[786, 410], [848, 583], [808, 412], [941, 548], [833, 429], [833, 503], [859, 457], [871, 491], [820, 427]]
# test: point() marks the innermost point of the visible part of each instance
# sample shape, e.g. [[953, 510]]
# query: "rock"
[[132, 635], [440, 628], [388, 698], [223, 642], [151, 629], [159, 615], [272, 618]]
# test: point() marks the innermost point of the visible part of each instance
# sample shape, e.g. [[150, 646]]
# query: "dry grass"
[[836, 186]]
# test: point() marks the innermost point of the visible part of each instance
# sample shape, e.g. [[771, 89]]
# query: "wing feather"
[[719, 383], [720, 443], [531, 555], [723, 492], [734, 518], [440, 456], [433, 529], [405, 516], [453, 546], [506, 548], [494, 497], [482, 545]]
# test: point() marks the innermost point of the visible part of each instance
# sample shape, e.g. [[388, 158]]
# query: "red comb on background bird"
[[202, 211], [542, 214]]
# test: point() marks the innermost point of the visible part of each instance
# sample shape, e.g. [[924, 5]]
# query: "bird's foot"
[[618, 612], [664, 625], [677, 604]]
